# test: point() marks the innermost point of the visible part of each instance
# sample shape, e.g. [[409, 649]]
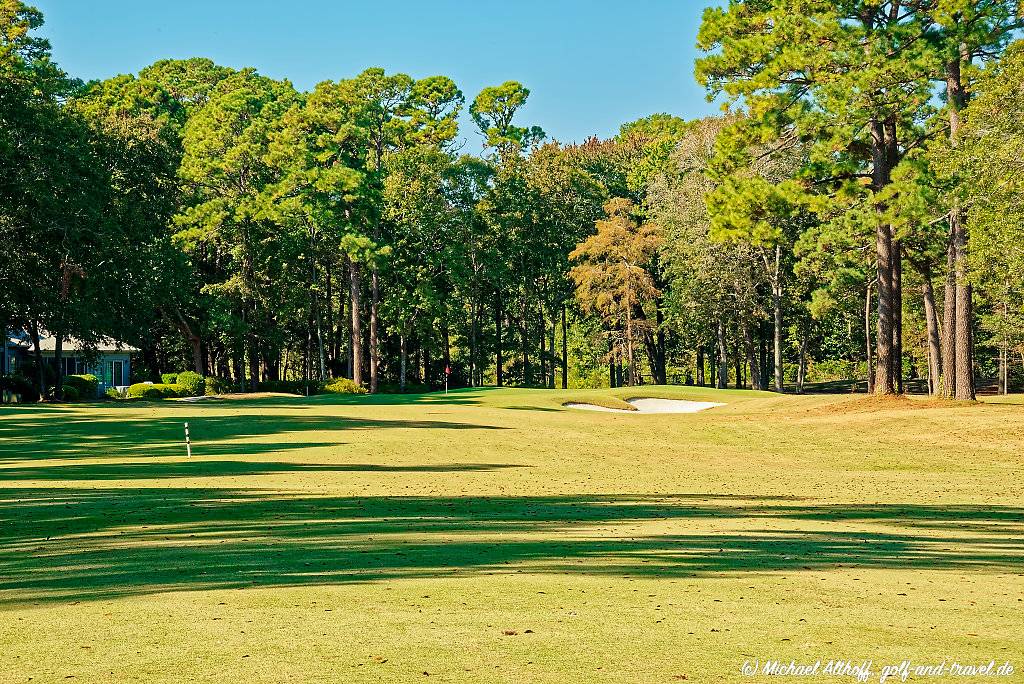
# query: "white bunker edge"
[[651, 406]]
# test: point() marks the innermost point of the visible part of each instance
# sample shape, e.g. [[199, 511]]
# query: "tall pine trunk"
[[885, 382], [897, 303], [355, 286], [962, 335], [932, 326]]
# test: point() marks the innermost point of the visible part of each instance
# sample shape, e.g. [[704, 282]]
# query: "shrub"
[[343, 386], [145, 391], [71, 393], [16, 384], [85, 384], [215, 386], [286, 386], [835, 370], [169, 378], [191, 384], [114, 393]]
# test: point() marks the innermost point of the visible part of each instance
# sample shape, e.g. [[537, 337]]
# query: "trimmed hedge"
[[343, 386], [86, 385], [143, 391], [215, 386], [191, 384], [169, 378]]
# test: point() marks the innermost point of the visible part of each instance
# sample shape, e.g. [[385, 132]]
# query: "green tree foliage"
[[223, 221], [613, 278]]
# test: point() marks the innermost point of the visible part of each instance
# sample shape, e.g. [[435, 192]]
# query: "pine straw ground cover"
[[494, 536]]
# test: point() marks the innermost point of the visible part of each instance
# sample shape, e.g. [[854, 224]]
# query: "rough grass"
[[493, 536]]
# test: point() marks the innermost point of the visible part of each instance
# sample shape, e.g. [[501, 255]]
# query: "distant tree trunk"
[[33, 330], [473, 322], [329, 300], [254, 361], [543, 329], [58, 357], [738, 361], [194, 340], [342, 334], [700, 366], [374, 335], [867, 338], [611, 366], [499, 362], [551, 349], [762, 345], [748, 345], [801, 373], [314, 304], [357, 332], [446, 348], [932, 326], [713, 365], [404, 354], [660, 362], [777, 294], [777, 338], [1002, 370], [723, 358], [565, 349], [238, 366], [630, 353], [524, 340]]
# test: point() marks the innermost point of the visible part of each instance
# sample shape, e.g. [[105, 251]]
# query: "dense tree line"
[[854, 213]]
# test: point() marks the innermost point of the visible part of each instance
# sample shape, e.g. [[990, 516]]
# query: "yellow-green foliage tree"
[[613, 277]]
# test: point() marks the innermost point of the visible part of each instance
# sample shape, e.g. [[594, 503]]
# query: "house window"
[[117, 373], [71, 365]]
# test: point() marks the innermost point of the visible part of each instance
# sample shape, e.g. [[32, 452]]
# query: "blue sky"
[[590, 64]]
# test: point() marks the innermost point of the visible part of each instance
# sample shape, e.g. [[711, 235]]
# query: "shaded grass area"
[[27, 435], [87, 544]]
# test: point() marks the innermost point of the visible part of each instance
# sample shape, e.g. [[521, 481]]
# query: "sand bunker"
[[652, 406]]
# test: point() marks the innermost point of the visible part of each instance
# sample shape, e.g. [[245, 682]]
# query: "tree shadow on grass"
[[195, 468], [63, 544], [79, 436], [461, 397]]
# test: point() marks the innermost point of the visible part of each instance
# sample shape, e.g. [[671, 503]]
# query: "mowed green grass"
[[494, 536]]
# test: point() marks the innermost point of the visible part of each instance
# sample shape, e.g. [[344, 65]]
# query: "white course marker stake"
[[188, 442]]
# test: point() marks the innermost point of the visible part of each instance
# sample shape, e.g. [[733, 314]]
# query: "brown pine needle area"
[[495, 536]]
